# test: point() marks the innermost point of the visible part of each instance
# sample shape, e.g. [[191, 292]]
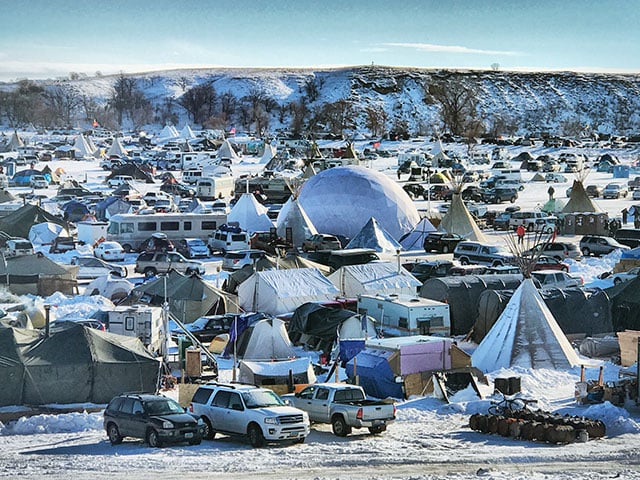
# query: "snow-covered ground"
[[430, 439]]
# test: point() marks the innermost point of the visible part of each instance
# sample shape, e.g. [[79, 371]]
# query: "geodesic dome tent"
[[341, 200]]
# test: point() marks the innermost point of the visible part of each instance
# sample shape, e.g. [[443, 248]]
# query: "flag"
[[376, 144], [232, 131], [95, 123]]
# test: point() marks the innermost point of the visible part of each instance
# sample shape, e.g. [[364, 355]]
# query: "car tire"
[[150, 272], [209, 432], [127, 248], [445, 249], [464, 261], [114, 434], [339, 426], [153, 439], [586, 252], [512, 199], [256, 438]]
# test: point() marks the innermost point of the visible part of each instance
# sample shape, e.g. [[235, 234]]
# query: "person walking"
[[625, 212], [520, 231]]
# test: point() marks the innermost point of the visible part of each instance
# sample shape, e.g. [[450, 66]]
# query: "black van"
[[628, 236]]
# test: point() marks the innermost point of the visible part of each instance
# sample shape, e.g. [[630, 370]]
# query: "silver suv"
[[247, 410], [597, 245], [152, 263]]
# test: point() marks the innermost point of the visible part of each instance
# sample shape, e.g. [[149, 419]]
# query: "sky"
[[52, 38]]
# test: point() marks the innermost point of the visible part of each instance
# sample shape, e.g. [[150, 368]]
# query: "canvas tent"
[[250, 214], [414, 240], [462, 293], [375, 237], [580, 201], [525, 335], [280, 291], [116, 149], [300, 370], [38, 275], [75, 364], [110, 286], [374, 278], [227, 152], [132, 170], [189, 297], [44, 233], [268, 154]]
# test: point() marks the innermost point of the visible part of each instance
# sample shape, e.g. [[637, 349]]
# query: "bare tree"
[[127, 99], [376, 119], [62, 101], [457, 102], [199, 101]]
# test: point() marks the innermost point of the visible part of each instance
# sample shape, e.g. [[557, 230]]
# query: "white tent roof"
[[268, 341], [374, 278], [248, 370], [250, 214], [525, 335], [227, 151], [169, 132], [340, 200], [375, 237], [187, 133], [269, 153], [414, 240], [116, 149], [459, 220], [109, 286], [281, 291], [82, 147], [292, 215], [44, 233]]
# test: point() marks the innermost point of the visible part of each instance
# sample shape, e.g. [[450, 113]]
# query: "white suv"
[[258, 413]]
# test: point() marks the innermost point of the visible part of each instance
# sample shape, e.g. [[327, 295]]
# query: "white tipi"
[[525, 335], [414, 240], [250, 214], [373, 236], [458, 219]]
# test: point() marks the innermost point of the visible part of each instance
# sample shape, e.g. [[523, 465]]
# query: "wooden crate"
[[628, 347]]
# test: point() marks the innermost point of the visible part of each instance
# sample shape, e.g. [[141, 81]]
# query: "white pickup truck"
[[344, 406], [258, 413]]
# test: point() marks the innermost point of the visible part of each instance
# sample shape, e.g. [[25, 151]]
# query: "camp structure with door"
[[402, 315], [38, 275], [383, 278], [142, 322], [74, 364], [592, 223], [403, 366]]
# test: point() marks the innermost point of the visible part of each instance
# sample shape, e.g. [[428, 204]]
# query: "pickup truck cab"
[[258, 413], [344, 406]]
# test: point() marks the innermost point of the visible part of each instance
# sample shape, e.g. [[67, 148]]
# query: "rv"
[[143, 322], [402, 315], [211, 188], [131, 230]]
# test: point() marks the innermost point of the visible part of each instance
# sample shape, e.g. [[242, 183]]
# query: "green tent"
[[74, 364], [18, 223]]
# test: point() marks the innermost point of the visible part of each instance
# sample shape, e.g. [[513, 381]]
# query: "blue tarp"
[[350, 348], [239, 325], [74, 211], [375, 374]]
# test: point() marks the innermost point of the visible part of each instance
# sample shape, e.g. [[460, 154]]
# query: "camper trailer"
[[211, 188], [143, 322], [401, 315]]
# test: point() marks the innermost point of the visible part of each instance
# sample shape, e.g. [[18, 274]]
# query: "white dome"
[[341, 200]]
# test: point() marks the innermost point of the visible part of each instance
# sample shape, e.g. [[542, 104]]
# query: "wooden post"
[[582, 373], [600, 382]]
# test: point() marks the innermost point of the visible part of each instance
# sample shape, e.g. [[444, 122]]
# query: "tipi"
[[458, 219], [579, 201], [250, 214], [374, 236], [414, 240]]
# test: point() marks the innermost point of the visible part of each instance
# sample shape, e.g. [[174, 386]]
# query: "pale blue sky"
[[50, 38]]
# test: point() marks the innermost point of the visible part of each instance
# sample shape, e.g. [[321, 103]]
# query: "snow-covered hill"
[[520, 102]]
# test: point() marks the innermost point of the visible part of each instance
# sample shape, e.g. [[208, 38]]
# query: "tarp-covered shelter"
[[526, 335], [18, 223], [462, 293], [281, 291], [375, 237], [189, 297], [625, 305], [111, 206], [299, 370], [110, 286], [577, 310], [75, 364], [383, 278], [45, 233], [132, 170], [38, 275], [74, 211], [23, 177]]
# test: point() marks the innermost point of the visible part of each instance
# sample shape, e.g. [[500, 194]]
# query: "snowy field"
[[430, 439]]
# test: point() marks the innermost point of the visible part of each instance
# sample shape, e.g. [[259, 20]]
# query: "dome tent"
[[342, 199]]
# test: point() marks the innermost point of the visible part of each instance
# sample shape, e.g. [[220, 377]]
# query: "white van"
[[191, 176], [508, 174], [228, 237], [19, 246], [212, 188], [120, 180]]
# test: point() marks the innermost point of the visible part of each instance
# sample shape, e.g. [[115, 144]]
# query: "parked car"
[[475, 252], [38, 181], [545, 262], [350, 256], [594, 191], [192, 248], [152, 197], [615, 190], [415, 190], [320, 241], [17, 247], [157, 242], [461, 270], [268, 241], [155, 418], [208, 327], [246, 410], [624, 276], [110, 251], [473, 193], [502, 270], [92, 267], [634, 183], [501, 222], [177, 189], [558, 250], [118, 180], [556, 279], [441, 242], [438, 192], [344, 407], [553, 177], [228, 238], [636, 194], [62, 244], [152, 263], [236, 259], [598, 245], [429, 269], [498, 195]]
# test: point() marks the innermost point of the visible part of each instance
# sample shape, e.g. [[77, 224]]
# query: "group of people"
[[636, 217]]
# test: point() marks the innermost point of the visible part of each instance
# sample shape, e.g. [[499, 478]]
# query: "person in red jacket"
[[520, 231]]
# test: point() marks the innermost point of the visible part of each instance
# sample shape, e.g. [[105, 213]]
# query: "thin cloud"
[[430, 47]]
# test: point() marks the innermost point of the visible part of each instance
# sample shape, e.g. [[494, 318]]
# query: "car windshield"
[[261, 398], [163, 407], [196, 243]]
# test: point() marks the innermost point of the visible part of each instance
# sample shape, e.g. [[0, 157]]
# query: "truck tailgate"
[[377, 412]]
